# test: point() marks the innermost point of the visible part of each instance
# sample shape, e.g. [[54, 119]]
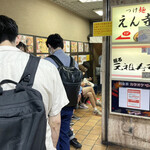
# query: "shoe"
[[98, 103], [75, 143], [71, 123], [88, 102], [98, 99], [75, 117], [83, 106], [97, 112]]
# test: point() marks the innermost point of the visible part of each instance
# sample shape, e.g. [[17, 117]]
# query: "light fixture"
[[87, 1], [99, 12]]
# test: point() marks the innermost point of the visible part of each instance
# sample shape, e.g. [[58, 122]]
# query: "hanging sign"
[[102, 28]]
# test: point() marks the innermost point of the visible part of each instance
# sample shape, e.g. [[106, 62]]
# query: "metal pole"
[[107, 72]]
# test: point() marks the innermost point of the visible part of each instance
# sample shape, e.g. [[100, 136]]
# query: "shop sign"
[[102, 28], [131, 61], [131, 23]]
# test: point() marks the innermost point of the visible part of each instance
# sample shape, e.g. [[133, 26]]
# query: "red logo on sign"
[[125, 34]]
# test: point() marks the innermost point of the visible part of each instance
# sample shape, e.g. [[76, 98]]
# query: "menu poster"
[[75, 57], [74, 47], [42, 55], [66, 46], [80, 47], [28, 41], [41, 45], [81, 59], [86, 47]]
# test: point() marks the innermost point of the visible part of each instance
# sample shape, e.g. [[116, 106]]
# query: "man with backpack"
[[31, 96], [71, 78]]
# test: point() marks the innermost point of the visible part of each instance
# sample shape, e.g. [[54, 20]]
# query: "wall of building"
[[122, 130], [42, 17]]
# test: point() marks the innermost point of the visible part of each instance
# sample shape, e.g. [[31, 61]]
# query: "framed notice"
[[86, 47], [28, 41], [80, 46], [66, 46], [130, 98], [41, 45], [102, 28], [81, 59], [74, 47]]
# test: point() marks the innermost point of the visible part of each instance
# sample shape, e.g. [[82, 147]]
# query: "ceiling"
[[82, 9]]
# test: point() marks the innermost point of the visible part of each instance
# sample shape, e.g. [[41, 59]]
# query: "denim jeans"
[[64, 140]]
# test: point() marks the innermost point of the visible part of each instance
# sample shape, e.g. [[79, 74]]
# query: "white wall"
[[42, 17]]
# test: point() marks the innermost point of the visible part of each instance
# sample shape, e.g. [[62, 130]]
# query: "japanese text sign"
[[134, 98], [127, 21], [131, 61], [102, 28]]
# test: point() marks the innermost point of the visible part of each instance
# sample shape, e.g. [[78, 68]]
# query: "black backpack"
[[22, 113], [71, 78]]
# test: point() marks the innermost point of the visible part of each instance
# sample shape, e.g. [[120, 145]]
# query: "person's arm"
[[89, 79], [82, 84], [54, 122]]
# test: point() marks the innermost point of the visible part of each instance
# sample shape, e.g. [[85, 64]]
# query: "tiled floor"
[[88, 131]]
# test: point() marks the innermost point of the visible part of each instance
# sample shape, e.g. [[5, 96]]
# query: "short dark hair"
[[8, 29], [22, 45], [55, 40], [86, 64]]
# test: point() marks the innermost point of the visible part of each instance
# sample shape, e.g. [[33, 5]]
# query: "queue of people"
[[58, 132]]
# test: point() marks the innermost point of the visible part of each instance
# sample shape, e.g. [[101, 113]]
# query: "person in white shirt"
[[47, 79]]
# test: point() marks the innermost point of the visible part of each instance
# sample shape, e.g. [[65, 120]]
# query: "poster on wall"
[[131, 23], [81, 59], [66, 46], [130, 61], [74, 47], [28, 41], [75, 57], [80, 47], [87, 57], [86, 47], [129, 97], [102, 28], [41, 45]]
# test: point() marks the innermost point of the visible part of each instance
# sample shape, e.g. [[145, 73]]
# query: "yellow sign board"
[[102, 28], [87, 57]]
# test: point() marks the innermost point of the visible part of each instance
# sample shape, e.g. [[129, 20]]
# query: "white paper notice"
[[134, 98]]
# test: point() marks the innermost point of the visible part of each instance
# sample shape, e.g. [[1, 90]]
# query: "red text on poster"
[[133, 98]]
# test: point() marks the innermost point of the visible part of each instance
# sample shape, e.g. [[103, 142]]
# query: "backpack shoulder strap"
[[27, 78], [57, 60], [72, 63]]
